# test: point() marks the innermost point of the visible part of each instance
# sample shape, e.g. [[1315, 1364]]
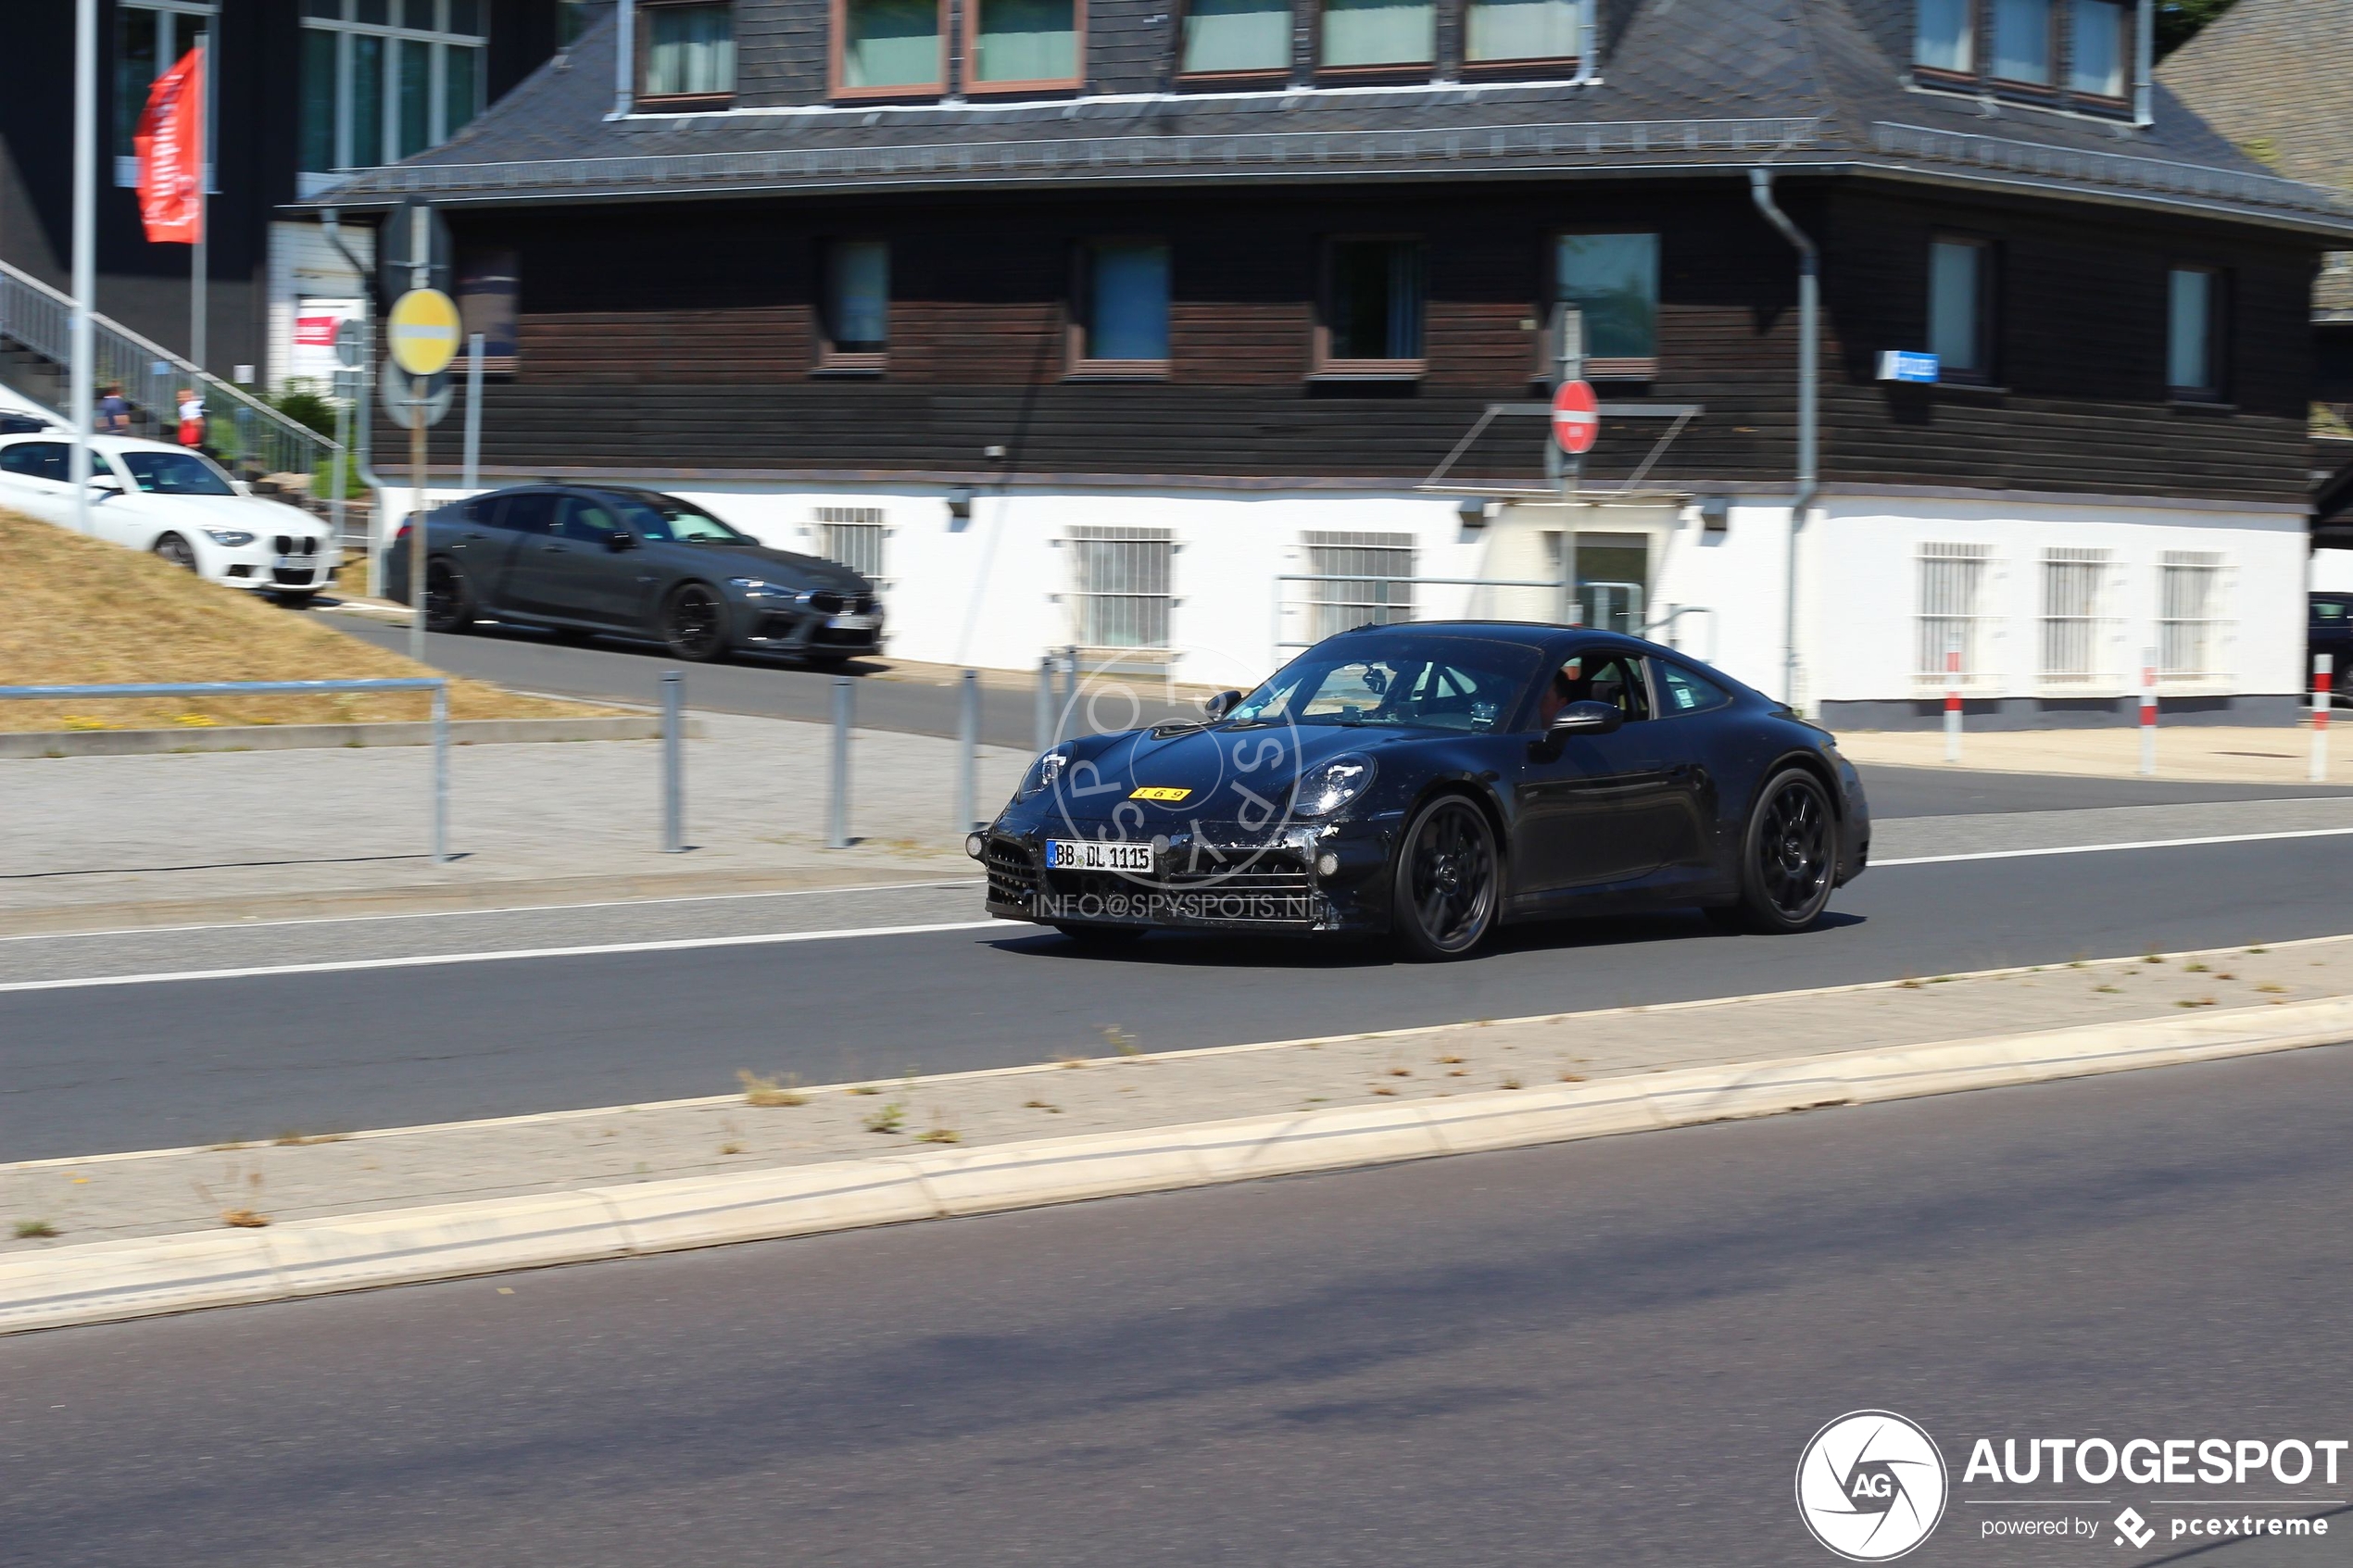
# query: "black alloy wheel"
[[1444, 898], [449, 604], [176, 550], [695, 623], [1789, 860]]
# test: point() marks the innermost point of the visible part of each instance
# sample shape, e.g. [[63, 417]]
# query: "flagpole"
[[204, 199], [85, 266]]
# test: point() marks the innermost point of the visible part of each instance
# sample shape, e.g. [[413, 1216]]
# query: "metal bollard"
[[968, 752], [2321, 671], [674, 763], [1070, 679], [837, 817], [1953, 699], [2148, 713], [441, 774], [1045, 702]]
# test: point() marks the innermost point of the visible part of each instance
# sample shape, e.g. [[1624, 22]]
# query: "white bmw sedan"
[[178, 503]]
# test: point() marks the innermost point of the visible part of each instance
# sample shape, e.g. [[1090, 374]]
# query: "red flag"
[[170, 146]]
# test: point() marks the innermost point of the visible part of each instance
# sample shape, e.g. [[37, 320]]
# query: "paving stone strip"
[[319, 1171]]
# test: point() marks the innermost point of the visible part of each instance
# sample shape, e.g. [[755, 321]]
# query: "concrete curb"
[[317, 737], [108, 1281]]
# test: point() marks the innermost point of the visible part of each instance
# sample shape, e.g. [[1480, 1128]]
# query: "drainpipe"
[[1809, 310], [624, 59], [2143, 56], [362, 433]]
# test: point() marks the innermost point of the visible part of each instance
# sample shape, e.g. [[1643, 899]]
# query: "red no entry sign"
[[1577, 418]]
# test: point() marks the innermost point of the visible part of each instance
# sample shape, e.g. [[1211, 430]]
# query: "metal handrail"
[[436, 684], [254, 436]]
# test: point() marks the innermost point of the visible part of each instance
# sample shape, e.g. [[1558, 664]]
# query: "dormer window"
[[889, 48], [1498, 31], [2096, 48], [1225, 38], [2071, 52], [2022, 41], [1377, 35], [1947, 37], [1025, 44], [689, 59]]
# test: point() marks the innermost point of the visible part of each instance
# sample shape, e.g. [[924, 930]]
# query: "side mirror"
[[106, 483], [620, 539], [1587, 718], [1218, 704]]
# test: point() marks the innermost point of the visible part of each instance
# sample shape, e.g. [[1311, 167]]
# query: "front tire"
[[176, 550], [1447, 883], [449, 604], [694, 623], [1789, 858]]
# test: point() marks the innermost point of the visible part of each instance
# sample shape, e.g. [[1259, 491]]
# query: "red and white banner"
[[170, 146]]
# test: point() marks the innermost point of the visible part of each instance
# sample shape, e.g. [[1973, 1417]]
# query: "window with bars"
[[1120, 586], [1951, 601], [2189, 633], [1364, 580], [853, 536], [2073, 581]]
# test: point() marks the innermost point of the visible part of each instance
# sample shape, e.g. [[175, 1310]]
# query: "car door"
[[1597, 808], [484, 535], [1702, 752], [36, 476], [539, 559]]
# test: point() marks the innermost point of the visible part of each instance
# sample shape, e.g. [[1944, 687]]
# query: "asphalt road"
[[110, 1067], [1607, 1352]]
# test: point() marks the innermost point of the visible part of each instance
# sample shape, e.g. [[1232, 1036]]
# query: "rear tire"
[[176, 550], [449, 604], [1789, 858], [1447, 884], [694, 623]]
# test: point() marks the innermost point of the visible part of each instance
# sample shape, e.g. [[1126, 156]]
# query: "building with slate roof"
[[1189, 331]]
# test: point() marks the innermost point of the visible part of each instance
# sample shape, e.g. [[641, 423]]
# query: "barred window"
[[2072, 580], [1952, 586], [1362, 580], [853, 536], [1120, 581], [2189, 614]]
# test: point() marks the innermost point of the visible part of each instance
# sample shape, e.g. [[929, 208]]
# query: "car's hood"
[[250, 513], [786, 567], [1223, 773]]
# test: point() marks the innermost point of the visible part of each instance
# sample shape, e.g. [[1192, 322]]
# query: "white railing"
[[244, 431]]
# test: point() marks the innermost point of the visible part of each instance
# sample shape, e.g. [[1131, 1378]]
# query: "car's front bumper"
[[787, 627], [266, 569], [1329, 877]]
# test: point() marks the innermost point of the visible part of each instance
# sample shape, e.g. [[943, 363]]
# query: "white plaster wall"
[[1861, 579], [1732, 588], [2333, 572]]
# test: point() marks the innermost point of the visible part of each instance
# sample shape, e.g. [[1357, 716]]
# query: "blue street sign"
[[1896, 364]]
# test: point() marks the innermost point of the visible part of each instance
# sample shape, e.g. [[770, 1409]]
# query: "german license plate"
[[851, 623], [1096, 855]]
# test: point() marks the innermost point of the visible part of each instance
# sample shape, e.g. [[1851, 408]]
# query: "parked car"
[[175, 503], [1432, 782], [581, 560], [2332, 634], [16, 423]]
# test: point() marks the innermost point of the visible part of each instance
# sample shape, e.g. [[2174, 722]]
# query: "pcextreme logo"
[[1870, 1486]]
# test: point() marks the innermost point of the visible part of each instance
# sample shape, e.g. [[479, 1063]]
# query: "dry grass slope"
[[76, 612]]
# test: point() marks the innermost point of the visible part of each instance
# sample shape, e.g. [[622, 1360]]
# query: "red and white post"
[[2148, 713], [1952, 697], [2321, 672]]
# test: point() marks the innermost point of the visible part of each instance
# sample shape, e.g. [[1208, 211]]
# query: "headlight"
[[748, 585], [1042, 775], [228, 538], [1330, 785]]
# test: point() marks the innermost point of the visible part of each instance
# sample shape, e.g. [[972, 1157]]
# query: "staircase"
[[247, 435]]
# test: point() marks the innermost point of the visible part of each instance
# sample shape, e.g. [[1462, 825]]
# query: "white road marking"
[[2102, 848], [422, 960]]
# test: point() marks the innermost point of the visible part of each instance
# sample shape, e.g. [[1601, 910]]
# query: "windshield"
[[173, 473], [669, 520], [1433, 683]]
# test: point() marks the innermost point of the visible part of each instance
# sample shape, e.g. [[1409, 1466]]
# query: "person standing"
[[114, 411], [190, 417]]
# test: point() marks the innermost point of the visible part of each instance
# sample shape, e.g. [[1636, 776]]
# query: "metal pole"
[[968, 751], [2321, 670], [334, 467], [2148, 713], [837, 816], [473, 412], [419, 393], [82, 380], [624, 61], [1952, 696], [1070, 679], [197, 346], [674, 764], [441, 773], [1809, 306], [1045, 702], [1569, 348]]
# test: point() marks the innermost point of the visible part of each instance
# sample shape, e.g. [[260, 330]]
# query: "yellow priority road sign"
[[423, 330]]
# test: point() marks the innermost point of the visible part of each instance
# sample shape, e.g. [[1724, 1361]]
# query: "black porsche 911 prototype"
[[1433, 780]]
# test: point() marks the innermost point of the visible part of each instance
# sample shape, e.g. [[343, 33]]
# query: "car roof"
[[1527, 633], [97, 443]]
